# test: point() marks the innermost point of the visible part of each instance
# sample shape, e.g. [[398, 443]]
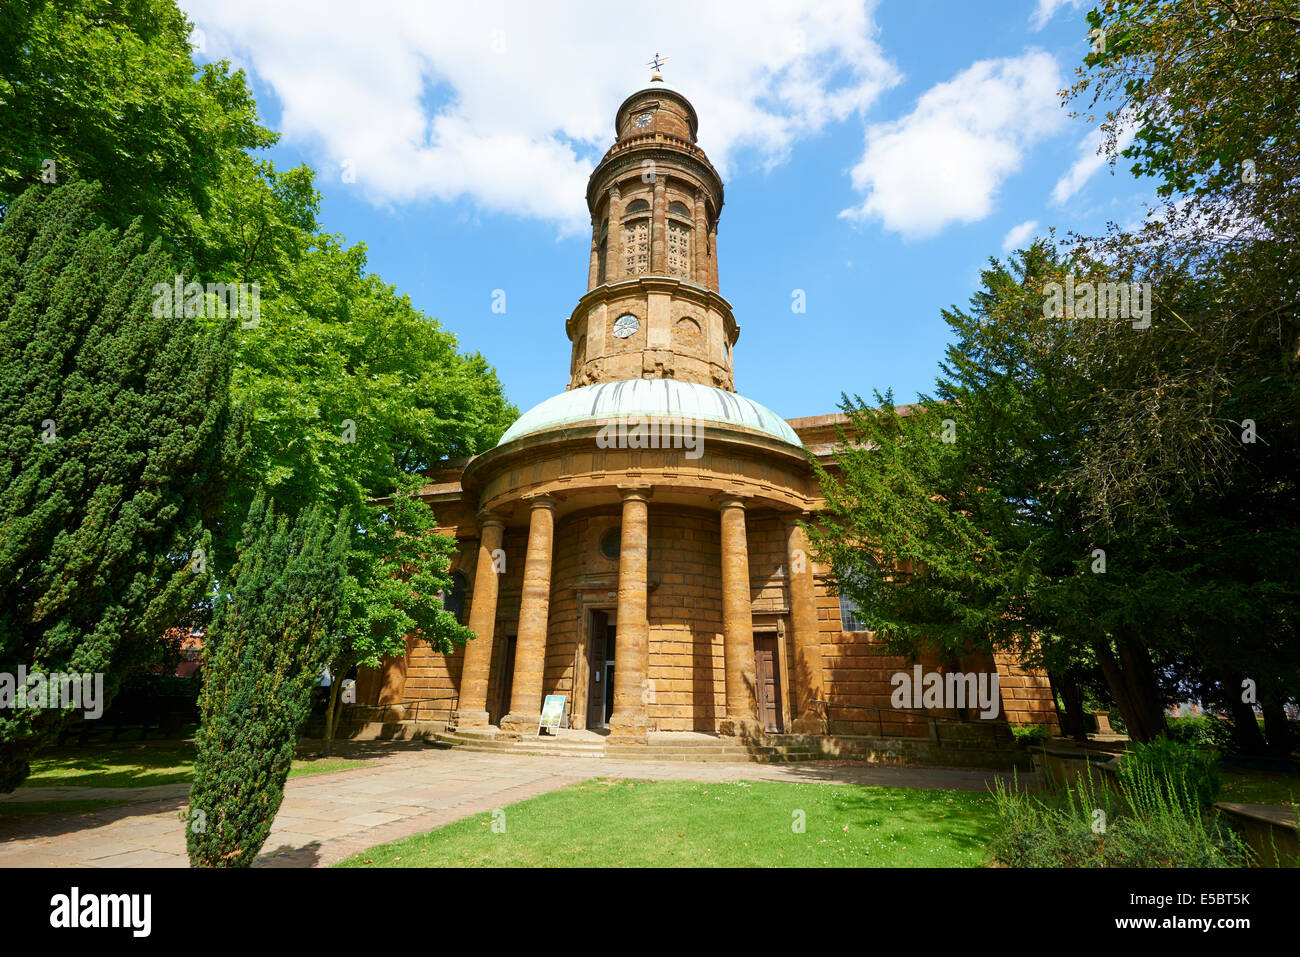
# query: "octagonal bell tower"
[[652, 309]]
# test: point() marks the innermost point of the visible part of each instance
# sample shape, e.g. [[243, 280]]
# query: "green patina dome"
[[659, 398]]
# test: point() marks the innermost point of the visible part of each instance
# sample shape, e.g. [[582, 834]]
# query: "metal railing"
[[413, 708]]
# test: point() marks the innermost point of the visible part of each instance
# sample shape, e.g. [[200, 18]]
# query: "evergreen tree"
[[272, 633], [112, 424]]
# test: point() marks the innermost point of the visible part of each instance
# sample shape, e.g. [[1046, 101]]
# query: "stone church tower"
[[633, 542]]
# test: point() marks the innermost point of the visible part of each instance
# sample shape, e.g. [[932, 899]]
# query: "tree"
[[113, 424], [949, 525], [354, 394], [273, 630], [107, 92]]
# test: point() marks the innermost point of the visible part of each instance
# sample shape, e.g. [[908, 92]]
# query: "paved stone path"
[[329, 816]]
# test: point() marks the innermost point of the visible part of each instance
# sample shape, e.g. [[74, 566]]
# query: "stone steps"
[[775, 749], [499, 744]]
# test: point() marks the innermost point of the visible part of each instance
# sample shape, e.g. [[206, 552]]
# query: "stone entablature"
[[568, 462], [684, 331]]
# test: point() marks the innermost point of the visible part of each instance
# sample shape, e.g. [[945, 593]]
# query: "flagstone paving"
[[329, 816]]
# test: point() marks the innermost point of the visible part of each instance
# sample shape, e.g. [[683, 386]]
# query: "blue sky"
[[875, 156]]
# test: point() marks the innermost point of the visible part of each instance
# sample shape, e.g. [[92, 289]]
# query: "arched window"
[[637, 206], [851, 617], [454, 599]]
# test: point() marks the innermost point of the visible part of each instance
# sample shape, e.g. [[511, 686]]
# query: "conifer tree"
[[112, 431], [273, 631]]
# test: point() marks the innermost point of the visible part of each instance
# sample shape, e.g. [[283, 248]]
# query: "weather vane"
[[657, 64]]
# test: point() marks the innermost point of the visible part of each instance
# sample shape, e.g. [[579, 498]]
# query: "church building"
[[633, 543]]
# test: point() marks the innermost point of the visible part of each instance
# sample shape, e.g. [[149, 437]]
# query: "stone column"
[[614, 242], [659, 230], [808, 718], [472, 707], [700, 239], [713, 256], [593, 269], [632, 635], [737, 623], [534, 611]]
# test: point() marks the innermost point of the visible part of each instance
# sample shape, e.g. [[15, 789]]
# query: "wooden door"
[[769, 681]]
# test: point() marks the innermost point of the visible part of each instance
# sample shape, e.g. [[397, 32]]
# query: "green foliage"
[[354, 394], [1171, 763], [1148, 822], [1201, 731], [108, 91], [271, 635], [1027, 735], [98, 526]]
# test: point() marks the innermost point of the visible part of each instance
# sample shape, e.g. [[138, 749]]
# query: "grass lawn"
[[140, 765], [619, 823], [1259, 787], [14, 808]]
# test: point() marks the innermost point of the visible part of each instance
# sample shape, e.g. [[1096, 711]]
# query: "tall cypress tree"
[[273, 632], [112, 430]]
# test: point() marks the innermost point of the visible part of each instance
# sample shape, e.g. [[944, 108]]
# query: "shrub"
[[1202, 731], [1173, 762], [1153, 820], [1027, 735], [269, 640]]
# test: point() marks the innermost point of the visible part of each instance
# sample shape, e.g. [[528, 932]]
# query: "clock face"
[[625, 325], [644, 120]]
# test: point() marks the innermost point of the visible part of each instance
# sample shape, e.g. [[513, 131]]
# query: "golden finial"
[[656, 65]]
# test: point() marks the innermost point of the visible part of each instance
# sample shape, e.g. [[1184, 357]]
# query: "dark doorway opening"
[[600, 687], [505, 678]]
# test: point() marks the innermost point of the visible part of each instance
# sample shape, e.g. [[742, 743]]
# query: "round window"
[[609, 543]]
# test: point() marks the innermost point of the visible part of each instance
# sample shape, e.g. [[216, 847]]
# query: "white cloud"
[[511, 107], [1017, 236], [1046, 9], [945, 161], [1091, 158]]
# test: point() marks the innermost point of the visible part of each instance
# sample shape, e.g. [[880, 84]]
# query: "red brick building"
[[655, 575]]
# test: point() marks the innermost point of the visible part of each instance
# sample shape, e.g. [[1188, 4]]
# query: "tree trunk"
[[1072, 720], [1245, 727], [330, 715], [1277, 729], [1132, 683]]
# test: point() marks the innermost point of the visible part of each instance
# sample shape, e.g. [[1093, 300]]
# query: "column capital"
[[488, 517], [540, 501], [732, 500], [635, 493]]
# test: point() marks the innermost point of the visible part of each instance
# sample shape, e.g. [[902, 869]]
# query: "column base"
[[521, 723], [740, 727], [625, 726], [469, 719]]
